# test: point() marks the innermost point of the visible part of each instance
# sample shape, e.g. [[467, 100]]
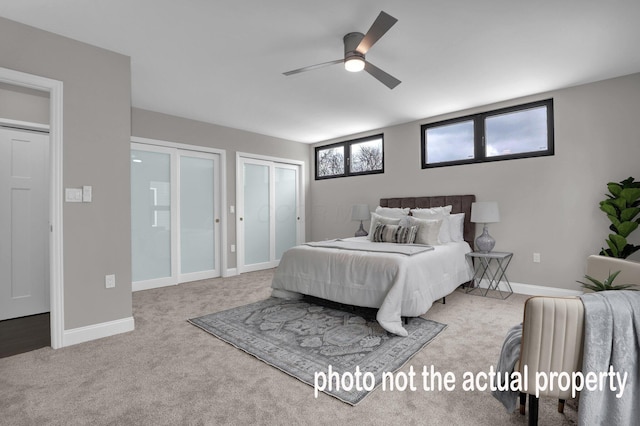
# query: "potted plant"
[[607, 284], [621, 206]]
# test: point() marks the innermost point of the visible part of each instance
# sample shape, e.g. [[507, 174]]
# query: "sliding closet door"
[[199, 222], [286, 215], [269, 212], [175, 216], [152, 217], [255, 216]]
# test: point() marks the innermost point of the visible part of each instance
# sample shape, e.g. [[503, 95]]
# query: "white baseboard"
[[97, 331], [231, 272], [536, 290]]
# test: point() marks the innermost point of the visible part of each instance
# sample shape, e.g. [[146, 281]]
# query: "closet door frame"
[[273, 162], [220, 250]]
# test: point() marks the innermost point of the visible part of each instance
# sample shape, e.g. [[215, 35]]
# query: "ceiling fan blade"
[[384, 78], [380, 26], [313, 67]]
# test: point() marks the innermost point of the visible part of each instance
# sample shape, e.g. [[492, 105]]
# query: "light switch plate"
[[86, 194], [73, 195]]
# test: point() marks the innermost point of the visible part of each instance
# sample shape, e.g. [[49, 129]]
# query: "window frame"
[[479, 120], [347, 157]]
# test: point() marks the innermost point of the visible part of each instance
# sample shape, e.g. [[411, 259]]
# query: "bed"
[[364, 274]]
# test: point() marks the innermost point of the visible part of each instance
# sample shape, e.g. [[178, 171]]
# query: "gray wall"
[[154, 125], [24, 104], [548, 205], [97, 113]]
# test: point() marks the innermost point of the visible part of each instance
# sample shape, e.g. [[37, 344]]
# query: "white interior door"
[[153, 213], [286, 207], [269, 212], [24, 223], [175, 215], [199, 216]]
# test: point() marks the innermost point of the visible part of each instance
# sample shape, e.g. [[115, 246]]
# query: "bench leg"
[[561, 405], [533, 410]]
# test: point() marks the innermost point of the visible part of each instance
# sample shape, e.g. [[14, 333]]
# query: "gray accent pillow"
[[394, 234]]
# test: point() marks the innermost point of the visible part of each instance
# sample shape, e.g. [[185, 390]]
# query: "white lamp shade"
[[485, 212], [360, 212]]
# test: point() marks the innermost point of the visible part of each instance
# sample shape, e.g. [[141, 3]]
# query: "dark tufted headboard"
[[459, 203]]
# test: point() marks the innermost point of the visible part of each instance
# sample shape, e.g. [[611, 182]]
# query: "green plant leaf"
[[619, 241], [620, 203], [608, 208], [614, 188], [629, 183], [629, 213], [630, 194], [613, 250], [625, 228], [605, 252], [615, 221], [607, 284], [611, 278]]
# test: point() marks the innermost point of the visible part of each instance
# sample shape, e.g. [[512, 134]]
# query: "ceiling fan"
[[356, 45]]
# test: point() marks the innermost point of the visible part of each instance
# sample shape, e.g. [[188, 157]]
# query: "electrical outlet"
[[233, 248], [536, 257], [110, 281]]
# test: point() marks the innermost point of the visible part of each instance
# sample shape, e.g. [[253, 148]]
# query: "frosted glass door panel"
[[257, 228], [197, 238], [150, 215], [286, 209]]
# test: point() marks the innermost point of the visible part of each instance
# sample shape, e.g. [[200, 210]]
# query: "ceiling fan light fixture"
[[354, 64]]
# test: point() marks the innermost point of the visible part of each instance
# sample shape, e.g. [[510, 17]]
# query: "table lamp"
[[485, 212], [360, 212]]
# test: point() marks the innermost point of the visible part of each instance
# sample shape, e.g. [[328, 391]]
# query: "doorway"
[[56, 248], [24, 240], [24, 222]]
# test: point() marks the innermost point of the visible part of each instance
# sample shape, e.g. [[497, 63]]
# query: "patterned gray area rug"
[[302, 338]]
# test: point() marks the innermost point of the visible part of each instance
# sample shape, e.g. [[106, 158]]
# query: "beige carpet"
[[168, 372]]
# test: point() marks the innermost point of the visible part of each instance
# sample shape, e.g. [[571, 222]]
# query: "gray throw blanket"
[[611, 338], [406, 249], [509, 355]]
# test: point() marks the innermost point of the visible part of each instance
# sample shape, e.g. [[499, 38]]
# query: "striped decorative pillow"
[[394, 234]]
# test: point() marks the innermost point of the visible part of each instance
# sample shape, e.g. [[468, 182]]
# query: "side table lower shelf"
[[490, 274]]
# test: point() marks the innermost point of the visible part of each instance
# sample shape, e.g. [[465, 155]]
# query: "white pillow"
[[437, 213], [428, 230], [396, 213], [456, 226], [376, 219]]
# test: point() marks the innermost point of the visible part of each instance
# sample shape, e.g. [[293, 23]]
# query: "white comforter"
[[399, 285]]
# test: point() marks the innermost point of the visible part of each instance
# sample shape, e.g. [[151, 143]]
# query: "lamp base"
[[361, 232], [485, 242]]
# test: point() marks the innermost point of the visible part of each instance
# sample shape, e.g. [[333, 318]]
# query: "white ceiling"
[[221, 61]]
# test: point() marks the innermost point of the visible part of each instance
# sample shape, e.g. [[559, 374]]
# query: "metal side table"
[[492, 268]]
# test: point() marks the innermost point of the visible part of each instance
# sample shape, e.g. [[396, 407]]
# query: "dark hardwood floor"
[[24, 334]]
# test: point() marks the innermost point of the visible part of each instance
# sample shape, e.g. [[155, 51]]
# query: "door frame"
[[56, 246], [240, 202], [224, 271]]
